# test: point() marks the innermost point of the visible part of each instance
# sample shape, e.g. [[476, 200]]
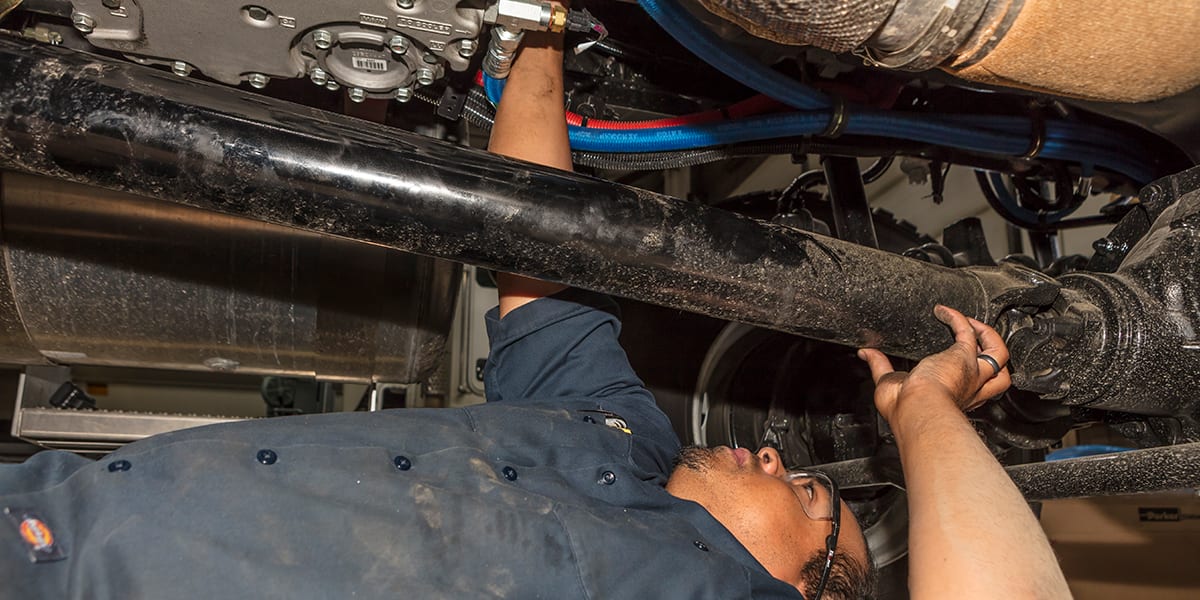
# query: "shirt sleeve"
[[566, 346]]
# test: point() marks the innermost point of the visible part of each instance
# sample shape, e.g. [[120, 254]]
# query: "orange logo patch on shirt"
[[36, 534]]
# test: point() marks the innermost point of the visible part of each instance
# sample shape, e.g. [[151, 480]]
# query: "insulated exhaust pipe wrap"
[[1110, 50]]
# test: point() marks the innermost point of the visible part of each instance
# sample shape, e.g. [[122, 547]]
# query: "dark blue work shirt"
[[553, 489]]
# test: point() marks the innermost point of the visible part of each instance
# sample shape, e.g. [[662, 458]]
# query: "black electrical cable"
[[655, 161], [877, 169], [788, 198], [998, 205]]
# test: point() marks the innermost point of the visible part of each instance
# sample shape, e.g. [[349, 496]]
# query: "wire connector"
[[582, 21]]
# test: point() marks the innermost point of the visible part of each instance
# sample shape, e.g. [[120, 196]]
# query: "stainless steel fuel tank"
[[95, 277]]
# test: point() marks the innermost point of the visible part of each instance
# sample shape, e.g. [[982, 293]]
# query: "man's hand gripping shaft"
[[971, 533]]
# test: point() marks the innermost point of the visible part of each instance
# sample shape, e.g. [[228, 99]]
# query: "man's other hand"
[[956, 373]]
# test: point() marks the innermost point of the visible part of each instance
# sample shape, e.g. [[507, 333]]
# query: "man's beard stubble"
[[695, 458]]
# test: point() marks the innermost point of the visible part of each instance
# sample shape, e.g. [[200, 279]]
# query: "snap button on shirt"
[[267, 456], [119, 465], [402, 463], [509, 473]]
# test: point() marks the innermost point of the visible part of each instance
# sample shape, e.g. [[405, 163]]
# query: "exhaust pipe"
[[1108, 50]]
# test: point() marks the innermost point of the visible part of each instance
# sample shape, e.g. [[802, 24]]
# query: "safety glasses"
[[821, 500]]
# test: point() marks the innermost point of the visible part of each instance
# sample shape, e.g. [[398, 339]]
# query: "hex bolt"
[[405, 4], [322, 39], [318, 76], [404, 94], [1108, 246], [84, 23], [258, 81], [466, 48], [358, 94], [332, 85], [181, 68], [258, 13], [425, 76], [398, 44]]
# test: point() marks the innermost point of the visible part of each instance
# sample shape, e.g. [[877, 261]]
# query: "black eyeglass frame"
[[831, 540]]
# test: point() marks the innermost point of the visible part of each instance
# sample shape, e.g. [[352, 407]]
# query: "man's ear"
[[769, 460]]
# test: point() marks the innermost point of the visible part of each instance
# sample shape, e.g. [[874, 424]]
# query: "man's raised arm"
[[971, 533], [531, 125]]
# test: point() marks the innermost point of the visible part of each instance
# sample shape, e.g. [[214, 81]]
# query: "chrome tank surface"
[[103, 278]]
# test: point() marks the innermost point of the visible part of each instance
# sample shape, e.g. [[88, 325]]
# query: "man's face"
[[750, 495]]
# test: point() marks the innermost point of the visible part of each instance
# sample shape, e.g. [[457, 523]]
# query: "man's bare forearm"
[[530, 125], [971, 533]]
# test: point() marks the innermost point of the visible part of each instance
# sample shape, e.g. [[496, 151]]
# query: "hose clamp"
[[837, 122], [1039, 135]]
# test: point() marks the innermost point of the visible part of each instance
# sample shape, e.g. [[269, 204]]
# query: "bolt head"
[[318, 76], [181, 68], [398, 44], [258, 13], [466, 48], [322, 39], [82, 22], [404, 94], [332, 85], [425, 76], [405, 4], [258, 80], [358, 94]]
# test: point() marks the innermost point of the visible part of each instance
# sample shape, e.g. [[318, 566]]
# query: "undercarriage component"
[[1062, 46], [377, 48], [103, 278], [1127, 340], [225, 150], [1136, 471], [85, 431]]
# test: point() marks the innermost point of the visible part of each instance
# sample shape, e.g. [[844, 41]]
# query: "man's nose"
[[769, 461]]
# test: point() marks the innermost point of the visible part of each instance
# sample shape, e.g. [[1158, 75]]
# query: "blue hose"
[[1001, 135], [1084, 450], [705, 44]]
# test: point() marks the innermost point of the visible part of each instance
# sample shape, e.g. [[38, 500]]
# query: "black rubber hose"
[[655, 161], [877, 169], [997, 205]]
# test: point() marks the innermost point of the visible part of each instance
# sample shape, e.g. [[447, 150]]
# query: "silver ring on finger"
[[991, 361]]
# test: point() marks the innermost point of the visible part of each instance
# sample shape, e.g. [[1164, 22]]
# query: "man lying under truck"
[[560, 486]]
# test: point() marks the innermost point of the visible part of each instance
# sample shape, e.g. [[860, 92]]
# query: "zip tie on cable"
[[837, 122]]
